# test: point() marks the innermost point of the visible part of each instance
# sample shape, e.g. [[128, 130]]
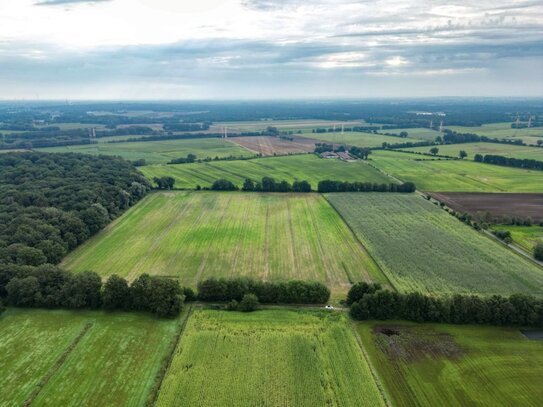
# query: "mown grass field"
[[455, 175], [197, 235], [358, 139], [417, 133], [446, 365], [501, 131], [302, 167], [268, 358], [525, 237], [159, 152], [420, 247], [114, 363], [452, 150]]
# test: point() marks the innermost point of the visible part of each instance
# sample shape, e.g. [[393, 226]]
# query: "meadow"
[[68, 358], [503, 130], [420, 247], [506, 150], [159, 152], [439, 365], [524, 236], [268, 358], [289, 168], [421, 133], [456, 175], [358, 139], [197, 235]]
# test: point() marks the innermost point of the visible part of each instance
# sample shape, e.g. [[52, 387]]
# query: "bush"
[[538, 251], [189, 294], [232, 306], [248, 303]]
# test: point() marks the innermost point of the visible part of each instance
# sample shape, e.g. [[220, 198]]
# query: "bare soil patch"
[[268, 146], [409, 344], [497, 204]]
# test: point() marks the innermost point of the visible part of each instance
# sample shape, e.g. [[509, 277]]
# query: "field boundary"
[[57, 365], [167, 361], [373, 371], [361, 245]]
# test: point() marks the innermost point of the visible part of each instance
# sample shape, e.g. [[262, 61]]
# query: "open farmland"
[[420, 133], [197, 235], [439, 365], [268, 358], [61, 358], [420, 247], [303, 167], [267, 145], [456, 175], [497, 204], [159, 152], [358, 139], [282, 125], [503, 131], [506, 150]]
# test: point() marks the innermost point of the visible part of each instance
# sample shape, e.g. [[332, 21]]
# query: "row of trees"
[[50, 203], [343, 186], [509, 161], [289, 292], [267, 184], [164, 182], [368, 301], [48, 286]]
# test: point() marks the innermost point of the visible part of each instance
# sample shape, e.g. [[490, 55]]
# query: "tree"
[[116, 293], [358, 290], [462, 154], [165, 297], [478, 158], [83, 290], [24, 292], [301, 186], [434, 150], [439, 140], [223, 185], [403, 134], [164, 182], [2, 307], [539, 142], [538, 251], [248, 185], [268, 184], [248, 303]]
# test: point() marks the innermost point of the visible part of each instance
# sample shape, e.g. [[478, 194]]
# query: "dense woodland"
[[50, 203]]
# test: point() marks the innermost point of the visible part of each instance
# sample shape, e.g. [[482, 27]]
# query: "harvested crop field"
[[497, 204], [61, 358], [445, 365], [267, 145], [197, 235], [268, 358], [420, 247]]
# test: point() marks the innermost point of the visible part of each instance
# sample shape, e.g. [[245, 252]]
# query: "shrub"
[[248, 303], [538, 251]]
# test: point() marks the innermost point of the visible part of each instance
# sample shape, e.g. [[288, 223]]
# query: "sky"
[[264, 49]]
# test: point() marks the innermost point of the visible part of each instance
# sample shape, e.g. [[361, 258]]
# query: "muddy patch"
[[533, 334], [410, 344]]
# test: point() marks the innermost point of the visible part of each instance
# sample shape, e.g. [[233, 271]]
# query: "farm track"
[[58, 364]]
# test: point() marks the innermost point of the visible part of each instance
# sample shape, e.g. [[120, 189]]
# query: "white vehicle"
[[329, 307]]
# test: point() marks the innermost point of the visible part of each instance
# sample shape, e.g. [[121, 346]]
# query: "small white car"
[[329, 307]]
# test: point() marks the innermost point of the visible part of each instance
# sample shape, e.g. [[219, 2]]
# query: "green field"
[[358, 139], [196, 235], [455, 175], [268, 358], [114, 362], [159, 152], [446, 365], [420, 133], [503, 130], [524, 236], [301, 167], [532, 153], [420, 247]]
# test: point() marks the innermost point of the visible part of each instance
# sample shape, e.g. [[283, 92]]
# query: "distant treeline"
[[343, 186], [267, 184], [370, 301], [509, 161], [289, 292], [48, 286]]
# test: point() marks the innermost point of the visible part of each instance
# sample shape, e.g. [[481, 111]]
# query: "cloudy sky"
[[259, 49]]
